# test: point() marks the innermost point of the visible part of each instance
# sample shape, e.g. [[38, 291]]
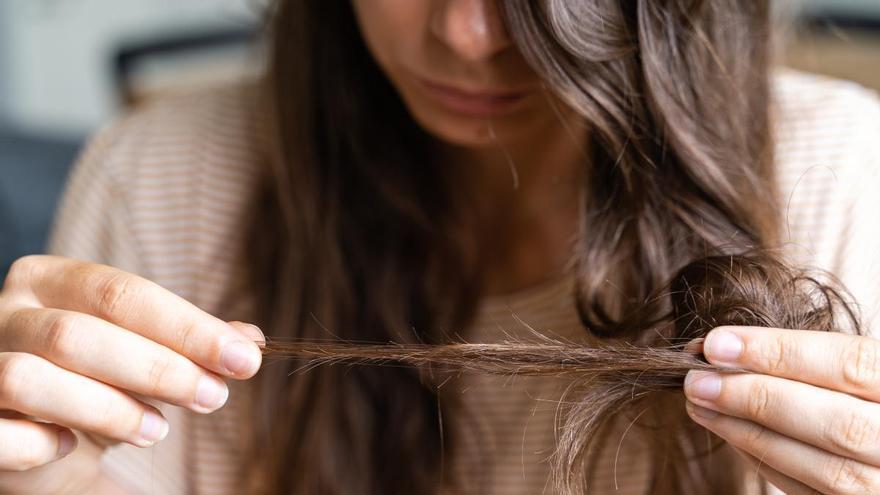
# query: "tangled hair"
[[675, 95], [751, 290]]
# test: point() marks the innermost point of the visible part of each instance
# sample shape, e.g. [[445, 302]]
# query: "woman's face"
[[455, 68]]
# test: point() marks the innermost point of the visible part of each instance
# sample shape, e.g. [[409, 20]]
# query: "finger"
[[788, 485], [31, 444], [252, 332], [814, 467], [38, 388], [96, 348], [849, 363], [141, 306], [836, 422]]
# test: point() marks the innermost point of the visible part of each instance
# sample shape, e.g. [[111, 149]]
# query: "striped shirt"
[[162, 193]]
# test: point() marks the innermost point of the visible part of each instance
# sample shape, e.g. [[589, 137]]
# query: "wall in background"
[[56, 69], [4, 64], [845, 47], [855, 7]]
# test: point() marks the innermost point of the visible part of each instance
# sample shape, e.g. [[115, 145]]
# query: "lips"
[[481, 102]]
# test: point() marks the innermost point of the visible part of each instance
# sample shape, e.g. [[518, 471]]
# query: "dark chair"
[[32, 174], [132, 57]]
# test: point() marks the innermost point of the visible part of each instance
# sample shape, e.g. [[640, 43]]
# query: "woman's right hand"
[[82, 345]]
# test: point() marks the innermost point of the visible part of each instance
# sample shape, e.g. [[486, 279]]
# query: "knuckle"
[[162, 370], [857, 434], [861, 361], [759, 399], [755, 437], [61, 338], [189, 338], [13, 377], [775, 355], [848, 476], [111, 291]]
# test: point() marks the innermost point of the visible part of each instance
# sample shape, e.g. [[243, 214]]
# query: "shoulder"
[[183, 134], [825, 122], [163, 190], [827, 134], [807, 93]]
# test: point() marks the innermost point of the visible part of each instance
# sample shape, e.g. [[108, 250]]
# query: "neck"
[[523, 198]]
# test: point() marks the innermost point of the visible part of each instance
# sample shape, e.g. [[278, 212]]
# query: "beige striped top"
[[161, 193]]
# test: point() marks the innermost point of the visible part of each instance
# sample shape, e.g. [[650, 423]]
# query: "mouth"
[[476, 102]]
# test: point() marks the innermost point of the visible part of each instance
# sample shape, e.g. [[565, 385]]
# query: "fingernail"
[[211, 393], [723, 346], [240, 359], [66, 442], [153, 428], [255, 334], [702, 385], [700, 412]]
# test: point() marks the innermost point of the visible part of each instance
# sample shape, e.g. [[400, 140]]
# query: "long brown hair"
[[354, 233]]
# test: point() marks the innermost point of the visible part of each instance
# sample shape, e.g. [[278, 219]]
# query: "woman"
[[431, 169]]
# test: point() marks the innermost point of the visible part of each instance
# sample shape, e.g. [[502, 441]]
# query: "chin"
[[473, 132]]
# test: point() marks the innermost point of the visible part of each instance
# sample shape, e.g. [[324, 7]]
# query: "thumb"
[[695, 346]]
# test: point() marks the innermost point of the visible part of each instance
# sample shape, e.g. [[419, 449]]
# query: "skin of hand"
[[805, 415], [83, 345]]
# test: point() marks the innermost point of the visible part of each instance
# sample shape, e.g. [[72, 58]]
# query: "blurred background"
[[69, 66]]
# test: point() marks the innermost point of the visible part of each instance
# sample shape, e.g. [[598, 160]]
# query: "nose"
[[473, 29]]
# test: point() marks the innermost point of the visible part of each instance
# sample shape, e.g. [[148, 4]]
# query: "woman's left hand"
[[807, 416]]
